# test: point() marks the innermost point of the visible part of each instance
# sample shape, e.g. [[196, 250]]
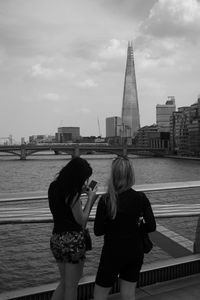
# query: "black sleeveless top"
[[62, 213]]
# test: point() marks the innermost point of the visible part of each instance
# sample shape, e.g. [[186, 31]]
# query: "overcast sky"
[[62, 62]]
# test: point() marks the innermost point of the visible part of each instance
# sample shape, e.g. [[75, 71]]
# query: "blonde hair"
[[121, 179]]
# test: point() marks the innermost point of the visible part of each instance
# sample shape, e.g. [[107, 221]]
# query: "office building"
[[68, 134], [130, 108], [163, 114], [113, 129], [113, 126]]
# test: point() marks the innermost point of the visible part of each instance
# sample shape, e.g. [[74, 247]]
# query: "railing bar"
[[91, 218], [149, 188]]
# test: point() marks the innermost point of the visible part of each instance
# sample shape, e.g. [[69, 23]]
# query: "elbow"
[[151, 227], [97, 231]]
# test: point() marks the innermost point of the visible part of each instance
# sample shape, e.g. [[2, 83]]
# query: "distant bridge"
[[78, 149]]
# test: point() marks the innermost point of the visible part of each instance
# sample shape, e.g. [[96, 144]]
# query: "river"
[[24, 252]]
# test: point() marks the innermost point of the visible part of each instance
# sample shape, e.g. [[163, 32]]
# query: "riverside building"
[[163, 114], [185, 130], [150, 137]]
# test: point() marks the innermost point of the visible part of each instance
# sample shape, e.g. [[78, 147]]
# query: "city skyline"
[[63, 63]]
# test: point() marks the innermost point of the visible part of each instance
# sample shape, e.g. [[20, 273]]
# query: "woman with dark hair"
[[67, 242], [117, 218]]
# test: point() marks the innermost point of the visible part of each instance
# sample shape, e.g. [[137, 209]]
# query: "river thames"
[[25, 256]]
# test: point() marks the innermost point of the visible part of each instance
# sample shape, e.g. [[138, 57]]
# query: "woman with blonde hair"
[[117, 218]]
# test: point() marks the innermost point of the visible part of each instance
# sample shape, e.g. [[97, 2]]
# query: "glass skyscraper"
[[130, 108]]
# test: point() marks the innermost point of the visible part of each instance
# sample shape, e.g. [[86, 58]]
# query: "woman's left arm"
[[150, 222]]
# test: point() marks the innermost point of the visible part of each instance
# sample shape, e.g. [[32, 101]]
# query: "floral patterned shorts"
[[68, 246]]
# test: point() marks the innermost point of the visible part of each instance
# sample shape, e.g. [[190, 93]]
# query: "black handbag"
[[147, 243], [88, 240]]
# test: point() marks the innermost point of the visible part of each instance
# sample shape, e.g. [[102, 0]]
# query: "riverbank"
[[183, 157]]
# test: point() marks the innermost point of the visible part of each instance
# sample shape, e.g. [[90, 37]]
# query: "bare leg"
[[70, 276], [101, 293], [59, 291], [127, 290], [73, 273]]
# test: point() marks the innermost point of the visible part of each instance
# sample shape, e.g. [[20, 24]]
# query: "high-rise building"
[[113, 126], [164, 112], [130, 108]]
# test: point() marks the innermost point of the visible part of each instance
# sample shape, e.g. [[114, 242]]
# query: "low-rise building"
[[68, 134], [150, 137]]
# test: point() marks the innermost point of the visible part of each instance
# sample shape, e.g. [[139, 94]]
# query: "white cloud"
[[88, 83], [97, 65], [51, 97], [49, 73], [180, 18], [85, 110], [115, 49]]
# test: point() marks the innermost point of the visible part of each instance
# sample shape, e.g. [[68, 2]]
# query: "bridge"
[[25, 150]]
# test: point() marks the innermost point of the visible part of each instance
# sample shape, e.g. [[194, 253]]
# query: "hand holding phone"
[[92, 184]]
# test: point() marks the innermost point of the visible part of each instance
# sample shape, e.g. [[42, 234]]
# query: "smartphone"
[[92, 184]]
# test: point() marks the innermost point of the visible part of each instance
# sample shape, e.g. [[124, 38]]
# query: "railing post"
[[23, 152], [124, 150], [76, 151]]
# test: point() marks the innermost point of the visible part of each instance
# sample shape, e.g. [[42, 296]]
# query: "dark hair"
[[71, 178]]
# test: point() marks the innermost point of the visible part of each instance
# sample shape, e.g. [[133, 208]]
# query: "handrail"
[[15, 215], [152, 187]]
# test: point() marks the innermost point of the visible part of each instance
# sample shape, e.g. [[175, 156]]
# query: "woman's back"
[[131, 204], [61, 211]]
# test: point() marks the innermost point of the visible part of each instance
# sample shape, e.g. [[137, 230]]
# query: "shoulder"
[[51, 188], [137, 194], [141, 197], [104, 199]]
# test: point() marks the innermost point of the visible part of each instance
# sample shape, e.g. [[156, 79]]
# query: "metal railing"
[[169, 238]]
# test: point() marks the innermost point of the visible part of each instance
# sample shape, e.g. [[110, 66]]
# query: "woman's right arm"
[[81, 214]]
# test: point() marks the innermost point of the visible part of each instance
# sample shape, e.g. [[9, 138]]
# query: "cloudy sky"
[[62, 62]]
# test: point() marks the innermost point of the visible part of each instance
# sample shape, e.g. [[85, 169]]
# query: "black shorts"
[[126, 265]]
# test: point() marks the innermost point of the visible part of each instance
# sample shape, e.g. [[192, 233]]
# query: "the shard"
[[130, 108]]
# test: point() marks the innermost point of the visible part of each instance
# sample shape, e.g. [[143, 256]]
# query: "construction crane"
[[99, 127]]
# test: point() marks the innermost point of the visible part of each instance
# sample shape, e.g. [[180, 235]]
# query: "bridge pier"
[[23, 152]]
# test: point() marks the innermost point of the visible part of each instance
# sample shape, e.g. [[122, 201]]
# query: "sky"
[[62, 62]]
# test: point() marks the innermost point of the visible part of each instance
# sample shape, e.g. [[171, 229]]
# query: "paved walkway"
[[187, 288]]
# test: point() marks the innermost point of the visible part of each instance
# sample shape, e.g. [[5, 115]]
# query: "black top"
[[125, 225], [62, 213]]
